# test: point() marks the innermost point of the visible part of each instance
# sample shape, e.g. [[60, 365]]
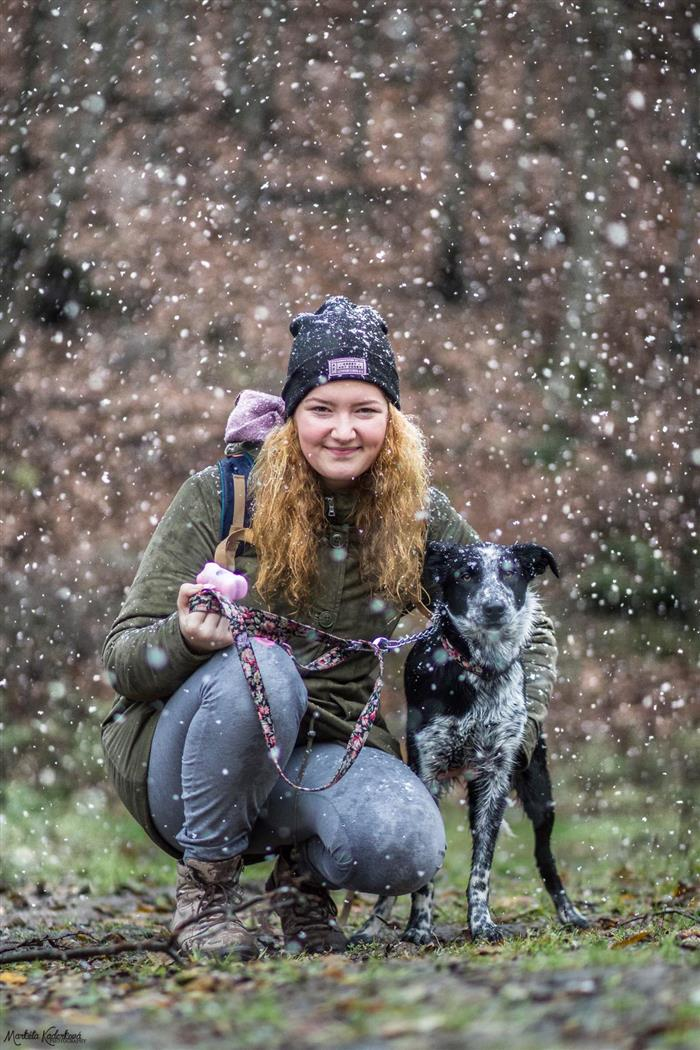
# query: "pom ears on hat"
[[295, 326]]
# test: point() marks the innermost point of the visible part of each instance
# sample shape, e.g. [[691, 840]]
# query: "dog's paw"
[[373, 933], [414, 935], [571, 916], [490, 933], [497, 933], [363, 939], [360, 938]]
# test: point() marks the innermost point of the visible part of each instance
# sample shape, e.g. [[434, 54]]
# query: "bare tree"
[[689, 172], [363, 32], [522, 223], [16, 113], [593, 121], [252, 64], [452, 278], [84, 60], [682, 345]]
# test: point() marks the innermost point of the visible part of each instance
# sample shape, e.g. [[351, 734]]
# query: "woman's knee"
[[224, 681], [404, 857], [388, 833]]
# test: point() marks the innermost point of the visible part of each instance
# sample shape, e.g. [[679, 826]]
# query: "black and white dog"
[[466, 718]]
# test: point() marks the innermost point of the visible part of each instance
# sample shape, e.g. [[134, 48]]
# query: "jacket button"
[[337, 539], [325, 619]]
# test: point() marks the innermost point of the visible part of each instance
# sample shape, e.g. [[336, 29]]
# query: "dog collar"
[[486, 673], [468, 665]]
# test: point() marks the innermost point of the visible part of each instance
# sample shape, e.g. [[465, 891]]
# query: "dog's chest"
[[481, 741]]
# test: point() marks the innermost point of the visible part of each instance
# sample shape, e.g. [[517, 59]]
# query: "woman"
[[342, 514]]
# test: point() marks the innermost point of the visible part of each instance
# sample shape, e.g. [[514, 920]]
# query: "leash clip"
[[381, 643]]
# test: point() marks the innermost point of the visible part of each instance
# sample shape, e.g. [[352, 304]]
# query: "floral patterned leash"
[[262, 624]]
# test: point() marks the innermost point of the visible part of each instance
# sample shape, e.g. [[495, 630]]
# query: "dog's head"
[[484, 585]]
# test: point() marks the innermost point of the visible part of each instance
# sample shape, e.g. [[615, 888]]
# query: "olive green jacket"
[[147, 659]]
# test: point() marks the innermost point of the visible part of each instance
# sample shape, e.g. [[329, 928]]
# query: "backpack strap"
[[235, 509]]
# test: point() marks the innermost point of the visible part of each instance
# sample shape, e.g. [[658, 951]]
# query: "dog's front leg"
[[377, 925], [487, 803], [420, 922]]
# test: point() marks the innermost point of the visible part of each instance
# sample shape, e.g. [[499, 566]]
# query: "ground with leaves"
[[628, 983]]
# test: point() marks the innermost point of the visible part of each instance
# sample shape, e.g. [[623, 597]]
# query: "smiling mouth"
[[341, 451]]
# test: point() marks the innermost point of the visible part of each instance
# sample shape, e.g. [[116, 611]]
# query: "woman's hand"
[[204, 632]]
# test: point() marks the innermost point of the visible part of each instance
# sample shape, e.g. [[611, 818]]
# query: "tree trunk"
[[521, 221], [594, 115], [30, 284], [13, 235], [687, 230], [251, 72], [453, 276]]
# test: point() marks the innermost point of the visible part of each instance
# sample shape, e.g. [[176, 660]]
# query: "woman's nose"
[[343, 428]]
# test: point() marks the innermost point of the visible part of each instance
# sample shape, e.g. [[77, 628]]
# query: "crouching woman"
[[342, 512]]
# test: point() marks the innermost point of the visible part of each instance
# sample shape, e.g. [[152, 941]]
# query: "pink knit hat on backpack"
[[254, 415]]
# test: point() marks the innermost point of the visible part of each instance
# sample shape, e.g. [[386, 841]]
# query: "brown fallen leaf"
[[80, 1017], [335, 967], [206, 982], [186, 976], [634, 938], [682, 889], [11, 977], [689, 938], [426, 1023]]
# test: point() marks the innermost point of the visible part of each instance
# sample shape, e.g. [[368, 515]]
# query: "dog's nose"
[[494, 610]]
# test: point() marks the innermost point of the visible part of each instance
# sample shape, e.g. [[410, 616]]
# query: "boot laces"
[[216, 899], [309, 904]]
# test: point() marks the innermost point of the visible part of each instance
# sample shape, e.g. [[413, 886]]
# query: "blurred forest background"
[[515, 185]]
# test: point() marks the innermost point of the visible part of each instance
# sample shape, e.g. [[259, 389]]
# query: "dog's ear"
[[535, 559], [435, 566]]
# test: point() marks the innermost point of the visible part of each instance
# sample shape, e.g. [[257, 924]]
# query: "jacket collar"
[[339, 506]]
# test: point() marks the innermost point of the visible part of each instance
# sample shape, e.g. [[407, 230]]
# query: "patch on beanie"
[[347, 366]]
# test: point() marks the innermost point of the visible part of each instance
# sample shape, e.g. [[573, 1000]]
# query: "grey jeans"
[[213, 791]]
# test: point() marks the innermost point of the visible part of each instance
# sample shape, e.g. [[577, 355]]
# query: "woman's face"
[[341, 428]]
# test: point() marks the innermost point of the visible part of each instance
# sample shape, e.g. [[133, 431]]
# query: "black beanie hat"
[[339, 341]]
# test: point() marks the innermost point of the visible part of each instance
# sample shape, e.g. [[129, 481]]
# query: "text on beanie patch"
[[347, 366]]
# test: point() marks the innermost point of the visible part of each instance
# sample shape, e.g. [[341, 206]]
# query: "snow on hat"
[[339, 341]]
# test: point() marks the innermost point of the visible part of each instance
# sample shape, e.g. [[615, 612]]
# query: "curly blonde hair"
[[390, 515]]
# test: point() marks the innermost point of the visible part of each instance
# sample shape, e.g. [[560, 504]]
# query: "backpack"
[[235, 507]]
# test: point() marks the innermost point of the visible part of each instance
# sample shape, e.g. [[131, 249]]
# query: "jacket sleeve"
[[539, 661], [144, 653], [540, 652]]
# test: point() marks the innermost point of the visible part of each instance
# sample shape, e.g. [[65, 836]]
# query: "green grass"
[[610, 842], [620, 861]]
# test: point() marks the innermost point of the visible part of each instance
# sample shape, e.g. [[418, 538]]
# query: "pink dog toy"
[[230, 584]]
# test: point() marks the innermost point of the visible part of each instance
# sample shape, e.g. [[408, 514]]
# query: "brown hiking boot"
[[206, 892], [307, 912]]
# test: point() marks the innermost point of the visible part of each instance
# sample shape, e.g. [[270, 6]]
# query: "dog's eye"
[[467, 572], [508, 568]]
